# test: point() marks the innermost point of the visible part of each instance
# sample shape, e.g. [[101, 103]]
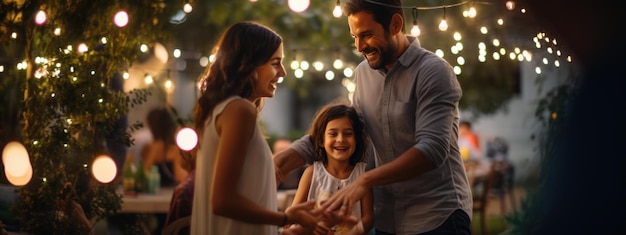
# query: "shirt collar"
[[411, 52]]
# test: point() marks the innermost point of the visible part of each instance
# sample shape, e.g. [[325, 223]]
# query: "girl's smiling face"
[[339, 140]]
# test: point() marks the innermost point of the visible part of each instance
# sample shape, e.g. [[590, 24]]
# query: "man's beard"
[[385, 55]]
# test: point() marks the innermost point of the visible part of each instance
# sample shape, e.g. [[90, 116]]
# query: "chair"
[[505, 186], [481, 198], [177, 226]]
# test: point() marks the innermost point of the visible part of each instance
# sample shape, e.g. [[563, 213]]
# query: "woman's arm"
[[235, 126]]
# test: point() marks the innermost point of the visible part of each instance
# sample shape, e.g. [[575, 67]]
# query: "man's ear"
[[396, 25]]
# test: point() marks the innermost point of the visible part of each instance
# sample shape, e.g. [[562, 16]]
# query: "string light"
[[443, 25], [510, 5], [415, 30], [41, 17], [187, 8], [337, 10], [298, 6], [471, 13], [121, 19]]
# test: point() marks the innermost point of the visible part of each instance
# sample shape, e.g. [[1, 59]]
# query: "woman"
[[235, 189]]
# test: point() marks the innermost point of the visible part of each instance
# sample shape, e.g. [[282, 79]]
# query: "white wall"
[[517, 123]]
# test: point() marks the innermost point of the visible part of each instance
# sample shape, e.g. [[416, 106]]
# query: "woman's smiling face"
[[267, 75]]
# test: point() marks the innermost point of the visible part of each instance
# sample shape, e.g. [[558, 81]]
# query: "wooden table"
[[147, 203], [160, 203]]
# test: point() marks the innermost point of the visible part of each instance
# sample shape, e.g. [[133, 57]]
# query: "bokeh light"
[[187, 139], [298, 5], [104, 169], [121, 19], [41, 18], [17, 167]]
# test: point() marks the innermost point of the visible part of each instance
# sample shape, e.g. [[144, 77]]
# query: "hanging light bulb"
[[443, 25], [338, 64], [415, 30], [294, 63], [472, 12], [337, 10]]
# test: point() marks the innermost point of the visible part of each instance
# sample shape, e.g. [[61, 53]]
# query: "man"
[[292, 179], [408, 98]]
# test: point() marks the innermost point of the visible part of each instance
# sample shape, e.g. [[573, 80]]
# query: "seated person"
[[163, 151], [182, 198], [476, 164]]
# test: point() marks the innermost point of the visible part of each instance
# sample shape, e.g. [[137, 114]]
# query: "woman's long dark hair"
[[243, 47]]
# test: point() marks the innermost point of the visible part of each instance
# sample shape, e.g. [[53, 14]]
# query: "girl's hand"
[[303, 214]]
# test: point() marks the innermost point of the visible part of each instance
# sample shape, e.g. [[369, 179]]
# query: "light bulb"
[[121, 19], [40, 18], [298, 73], [443, 26], [82, 48], [338, 64], [337, 11], [415, 30], [304, 65], [294, 64], [329, 75], [298, 5], [318, 65], [187, 8], [472, 12], [510, 5]]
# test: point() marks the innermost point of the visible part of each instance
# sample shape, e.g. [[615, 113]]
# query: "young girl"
[[340, 142], [235, 185]]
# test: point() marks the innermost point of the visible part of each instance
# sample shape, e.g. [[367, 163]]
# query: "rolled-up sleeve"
[[304, 147], [438, 94]]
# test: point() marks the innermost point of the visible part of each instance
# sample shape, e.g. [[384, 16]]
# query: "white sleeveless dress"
[[257, 182], [323, 185]]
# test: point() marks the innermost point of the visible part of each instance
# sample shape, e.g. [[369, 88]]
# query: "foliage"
[[73, 106], [551, 112]]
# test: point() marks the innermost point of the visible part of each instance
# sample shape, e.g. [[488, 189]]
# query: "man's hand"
[[338, 208]]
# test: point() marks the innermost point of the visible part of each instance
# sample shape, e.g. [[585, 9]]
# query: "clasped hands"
[[334, 211]]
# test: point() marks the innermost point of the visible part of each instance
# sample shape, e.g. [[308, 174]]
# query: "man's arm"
[[299, 152], [284, 162], [409, 164]]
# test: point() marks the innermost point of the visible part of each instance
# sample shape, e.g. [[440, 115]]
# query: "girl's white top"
[[324, 184]]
